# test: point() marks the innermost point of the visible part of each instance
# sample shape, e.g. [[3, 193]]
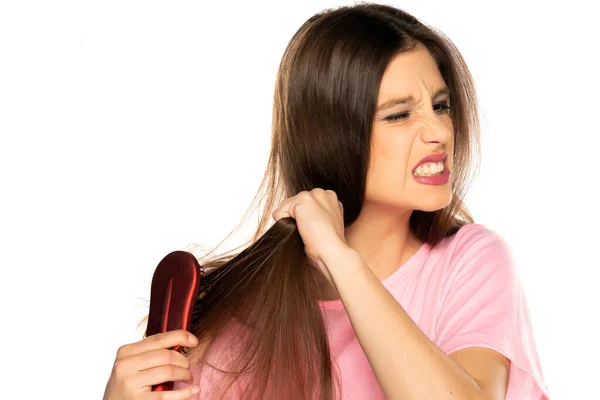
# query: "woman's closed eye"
[[440, 108]]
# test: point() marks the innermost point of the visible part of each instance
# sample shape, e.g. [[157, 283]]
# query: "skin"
[[381, 233], [140, 365], [354, 260]]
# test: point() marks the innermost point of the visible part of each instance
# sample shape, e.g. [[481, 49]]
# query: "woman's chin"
[[433, 203]]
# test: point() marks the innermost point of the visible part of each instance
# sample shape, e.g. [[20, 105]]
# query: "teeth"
[[429, 169]]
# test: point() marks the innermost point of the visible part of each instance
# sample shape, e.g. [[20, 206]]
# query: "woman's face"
[[412, 122]]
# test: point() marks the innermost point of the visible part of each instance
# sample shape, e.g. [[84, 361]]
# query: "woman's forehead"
[[412, 73]]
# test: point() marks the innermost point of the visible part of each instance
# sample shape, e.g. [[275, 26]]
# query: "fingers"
[[159, 341], [333, 197], [162, 373], [155, 358], [323, 197], [141, 365], [283, 210], [331, 193]]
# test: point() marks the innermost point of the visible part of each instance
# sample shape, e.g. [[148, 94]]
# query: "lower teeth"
[[439, 173]]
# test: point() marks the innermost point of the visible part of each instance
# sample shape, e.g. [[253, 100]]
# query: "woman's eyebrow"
[[409, 99]]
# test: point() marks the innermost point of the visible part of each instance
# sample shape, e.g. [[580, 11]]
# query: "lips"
[[432, 158]]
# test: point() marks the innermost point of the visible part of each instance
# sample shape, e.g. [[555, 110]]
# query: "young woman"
[[373, 282]]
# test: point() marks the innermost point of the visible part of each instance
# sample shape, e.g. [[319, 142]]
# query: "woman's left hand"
[[320, 220]]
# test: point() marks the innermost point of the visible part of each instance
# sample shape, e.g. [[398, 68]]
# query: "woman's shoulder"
[[474, 236], [475, 247], [474, 231]]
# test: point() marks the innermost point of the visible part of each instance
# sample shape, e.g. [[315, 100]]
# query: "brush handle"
[[175, 286]]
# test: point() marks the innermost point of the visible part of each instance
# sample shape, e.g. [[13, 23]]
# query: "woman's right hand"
[[140, 365]]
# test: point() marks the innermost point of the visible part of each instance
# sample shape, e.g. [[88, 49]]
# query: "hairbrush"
[[175, 286]]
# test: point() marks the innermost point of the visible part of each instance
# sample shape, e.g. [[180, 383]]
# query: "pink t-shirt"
[[463, 292]]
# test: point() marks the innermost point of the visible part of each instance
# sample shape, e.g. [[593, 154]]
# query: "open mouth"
[[430, 169]]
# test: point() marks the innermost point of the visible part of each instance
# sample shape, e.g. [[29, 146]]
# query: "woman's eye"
[[396, 117], [442, 108]]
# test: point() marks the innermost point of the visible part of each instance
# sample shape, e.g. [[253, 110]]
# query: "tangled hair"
[[324, 105]]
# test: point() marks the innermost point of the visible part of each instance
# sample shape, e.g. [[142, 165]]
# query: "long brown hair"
[[324, 105]]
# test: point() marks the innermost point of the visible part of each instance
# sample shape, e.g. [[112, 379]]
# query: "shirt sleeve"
[[483, 305]]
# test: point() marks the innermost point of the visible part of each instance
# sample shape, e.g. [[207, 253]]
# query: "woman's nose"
[[435, 130]]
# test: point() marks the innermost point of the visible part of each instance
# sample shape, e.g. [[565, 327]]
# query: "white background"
[[133, 128]]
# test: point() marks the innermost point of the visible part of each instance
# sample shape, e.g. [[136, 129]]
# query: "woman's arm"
[[406, 363]]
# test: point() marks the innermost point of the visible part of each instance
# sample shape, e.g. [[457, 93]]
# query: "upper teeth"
[[429, 168]]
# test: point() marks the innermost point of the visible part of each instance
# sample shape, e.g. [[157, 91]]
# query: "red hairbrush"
[[175, 286]]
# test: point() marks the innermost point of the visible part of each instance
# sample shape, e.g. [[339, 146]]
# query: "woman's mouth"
[[430, 169], [433, 173]]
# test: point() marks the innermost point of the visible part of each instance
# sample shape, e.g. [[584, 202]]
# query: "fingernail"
[[195, 390]]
